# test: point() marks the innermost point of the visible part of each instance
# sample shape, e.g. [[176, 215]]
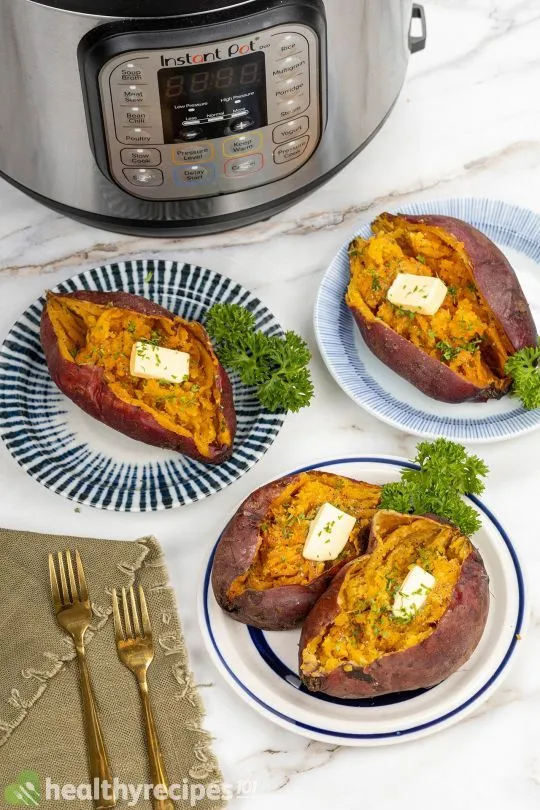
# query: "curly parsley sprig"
[[276, 366], [446, 473], [524, 368]]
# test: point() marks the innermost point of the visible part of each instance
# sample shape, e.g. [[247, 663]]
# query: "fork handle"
[[97, 753], [157, 766]]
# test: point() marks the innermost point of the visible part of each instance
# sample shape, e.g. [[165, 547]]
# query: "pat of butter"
[[328, 534], [158, 363], [413, 593], [422, 294]]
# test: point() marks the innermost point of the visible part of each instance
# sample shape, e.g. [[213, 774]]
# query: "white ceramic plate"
[[389, 397], [261, 667]]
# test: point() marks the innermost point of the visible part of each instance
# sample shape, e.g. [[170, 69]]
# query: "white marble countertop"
[[467, 124]]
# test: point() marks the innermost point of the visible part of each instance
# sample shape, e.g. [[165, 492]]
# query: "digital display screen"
[[209, 96]]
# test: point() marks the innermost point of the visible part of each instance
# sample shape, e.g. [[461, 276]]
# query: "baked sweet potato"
[[260, 576], [458, 354], [87, 338], [352, 645]]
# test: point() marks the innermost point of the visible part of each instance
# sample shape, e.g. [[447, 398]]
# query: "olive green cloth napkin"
[[41, 727]]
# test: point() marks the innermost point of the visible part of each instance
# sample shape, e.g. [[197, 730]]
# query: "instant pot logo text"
[[215, 55]]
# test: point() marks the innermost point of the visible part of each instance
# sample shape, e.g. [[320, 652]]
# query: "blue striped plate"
[[74, 455], [389, 397]]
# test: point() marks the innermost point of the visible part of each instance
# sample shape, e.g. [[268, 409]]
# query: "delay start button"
[[291, 151], [194, 175]]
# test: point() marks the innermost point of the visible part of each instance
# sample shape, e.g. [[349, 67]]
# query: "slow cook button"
[[288, 45], [293, 86], [242, 144], [291, 151], [133, 116], [128, 72], [283, 68], [135, 135], [239, 167], [291, 129], [144, 177], [140, 157], [192, 153], [194, 175]]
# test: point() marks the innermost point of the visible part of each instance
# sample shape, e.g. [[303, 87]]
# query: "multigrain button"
[[140, 157], [194, 175], [291, 129], [144, 177], [293, 106], [242, 144], [288, 45], [134, 135], [239, 167], [291, 151], [134, 116], [283, 68], [293, 86], [192, 153], [129, 72]]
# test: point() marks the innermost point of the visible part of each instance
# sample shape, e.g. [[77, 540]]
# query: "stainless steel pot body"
[[45, 146]]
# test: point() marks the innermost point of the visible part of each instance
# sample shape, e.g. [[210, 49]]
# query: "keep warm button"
[[291, 150]]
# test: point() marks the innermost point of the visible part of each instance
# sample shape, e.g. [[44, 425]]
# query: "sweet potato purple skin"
[[433, 660], [497, 282], [281, 608], [85, 386]]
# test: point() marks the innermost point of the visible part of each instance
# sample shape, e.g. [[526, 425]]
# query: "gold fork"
[[74, 614], [136, 651]]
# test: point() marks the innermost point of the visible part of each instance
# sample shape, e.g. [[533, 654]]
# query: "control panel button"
[[194, 175], [192, 153], [134, 116], [140, 157], [291, 129], [190, 134], [283, 68], [130, 94], [129, 72], [242, 144], [239, 167], [135, 135], [289, 45], [291, 151], [293, 86], [144, 177], [293, 106], [241, 124]]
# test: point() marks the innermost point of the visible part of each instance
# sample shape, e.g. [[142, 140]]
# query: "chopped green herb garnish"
[[524, 368], [149, 276]]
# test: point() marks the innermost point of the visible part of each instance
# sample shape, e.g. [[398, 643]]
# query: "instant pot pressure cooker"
[[168, 117]]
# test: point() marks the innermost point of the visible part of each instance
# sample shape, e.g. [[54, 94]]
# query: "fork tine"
[[55, 591], [63, 582], [71, 575], [136, 626], [146, 626], [83, 590], [127, 622], [118, 630]]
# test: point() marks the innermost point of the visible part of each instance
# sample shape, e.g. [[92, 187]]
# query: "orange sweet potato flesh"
[[352, 646], [459, 353], [88, 337], [259, 574]]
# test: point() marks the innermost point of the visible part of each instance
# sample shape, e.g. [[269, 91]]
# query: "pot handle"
[[418, 43]]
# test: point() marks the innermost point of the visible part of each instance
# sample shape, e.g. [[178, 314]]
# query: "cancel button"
[[291, 151]]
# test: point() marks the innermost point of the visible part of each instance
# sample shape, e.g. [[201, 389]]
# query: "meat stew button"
[[291, 151]]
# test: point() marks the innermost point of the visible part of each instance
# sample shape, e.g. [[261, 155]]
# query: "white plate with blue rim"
[[389, 397], [261, 667], [76, 456]]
